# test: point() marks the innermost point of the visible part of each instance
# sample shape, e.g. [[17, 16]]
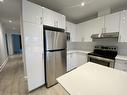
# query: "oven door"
[[101, 61]]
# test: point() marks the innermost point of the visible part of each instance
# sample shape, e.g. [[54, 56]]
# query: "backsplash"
[[89, 46]]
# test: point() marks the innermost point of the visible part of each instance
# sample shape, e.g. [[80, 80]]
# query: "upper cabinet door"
[[100, 24], [48, 18], [53, 19], [62, 22], [112, 22], [123, 27], [32, 12]]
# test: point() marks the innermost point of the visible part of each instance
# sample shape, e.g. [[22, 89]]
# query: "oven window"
[[101, 62]]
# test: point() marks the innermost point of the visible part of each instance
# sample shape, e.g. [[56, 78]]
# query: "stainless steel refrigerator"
[[55, 55]]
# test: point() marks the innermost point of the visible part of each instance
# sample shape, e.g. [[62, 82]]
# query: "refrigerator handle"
[[56, 50]]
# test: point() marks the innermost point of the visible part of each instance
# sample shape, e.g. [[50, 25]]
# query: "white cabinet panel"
[[54, 19], [100, 24], [123, 27], [32, 12], [86, 29], [63, 22], [71, 61], [81, 59], [112, 22], [75, 60], [48, 18], [33, 44], [121, 65], [72, 29]]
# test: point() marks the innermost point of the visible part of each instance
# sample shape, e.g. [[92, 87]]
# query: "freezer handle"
[[56, 50]]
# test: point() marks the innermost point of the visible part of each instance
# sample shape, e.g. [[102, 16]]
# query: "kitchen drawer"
[[121, 65]]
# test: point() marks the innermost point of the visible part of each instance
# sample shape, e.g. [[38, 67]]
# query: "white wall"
[[3, 50]]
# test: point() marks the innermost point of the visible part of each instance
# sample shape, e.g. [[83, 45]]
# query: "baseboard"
[[4, 64]]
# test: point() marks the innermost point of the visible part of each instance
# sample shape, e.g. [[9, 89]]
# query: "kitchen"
[[75, 53]]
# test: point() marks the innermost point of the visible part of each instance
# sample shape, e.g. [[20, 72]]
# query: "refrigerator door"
[[50, 69], [60, 63], [55, 66], [55, 40]]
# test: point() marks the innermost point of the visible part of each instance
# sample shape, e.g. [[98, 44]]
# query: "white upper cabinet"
[[54, 19], [112, 22], [48, 17], [123, 27], [100, 24], [59, 20], [32, 12], [71, 28], [86, 29]]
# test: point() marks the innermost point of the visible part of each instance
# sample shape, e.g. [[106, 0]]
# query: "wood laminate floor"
[[12, 81]]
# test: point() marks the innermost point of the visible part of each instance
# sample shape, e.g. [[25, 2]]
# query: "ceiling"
[[76, 13], [10, 10]]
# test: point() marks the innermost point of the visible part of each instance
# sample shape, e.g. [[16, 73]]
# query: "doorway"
[[17, 44]]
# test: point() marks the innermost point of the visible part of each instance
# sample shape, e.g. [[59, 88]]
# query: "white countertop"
[[78, 51], [94, 79], [121, 57]]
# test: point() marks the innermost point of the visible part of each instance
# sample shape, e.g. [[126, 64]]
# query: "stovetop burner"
[[109, 52]]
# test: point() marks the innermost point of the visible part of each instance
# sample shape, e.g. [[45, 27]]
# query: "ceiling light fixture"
[[1, 0], [10, 21], [82, 4]]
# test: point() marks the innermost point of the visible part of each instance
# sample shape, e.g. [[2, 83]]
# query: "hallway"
[[12, 81]]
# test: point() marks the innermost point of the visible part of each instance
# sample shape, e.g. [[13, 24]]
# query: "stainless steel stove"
[[103, 55]]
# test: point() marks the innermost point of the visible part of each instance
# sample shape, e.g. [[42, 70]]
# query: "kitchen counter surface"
[[121, 57], [94, 79], [78, 51]]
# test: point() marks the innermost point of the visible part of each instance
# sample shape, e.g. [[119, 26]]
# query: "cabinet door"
[[100, 24], [59, 20], [71, 61], [63, 22], [31, 12], [81, 34], [81, 59], [112, 22], [48, 18], [34, 57], [68, 62], [72, 29], [123, 27], [86, 29], [121, 65]]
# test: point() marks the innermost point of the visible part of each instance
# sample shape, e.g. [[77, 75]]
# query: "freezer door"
[[55, 40], [55, 66]]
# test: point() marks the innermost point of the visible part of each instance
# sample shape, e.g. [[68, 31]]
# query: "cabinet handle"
[[41, 20], [54, 23], [57, 24]]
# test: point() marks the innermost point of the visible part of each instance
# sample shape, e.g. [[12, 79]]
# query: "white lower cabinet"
[[121, 65], [71, 64], [75, 59], [81, 58]]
